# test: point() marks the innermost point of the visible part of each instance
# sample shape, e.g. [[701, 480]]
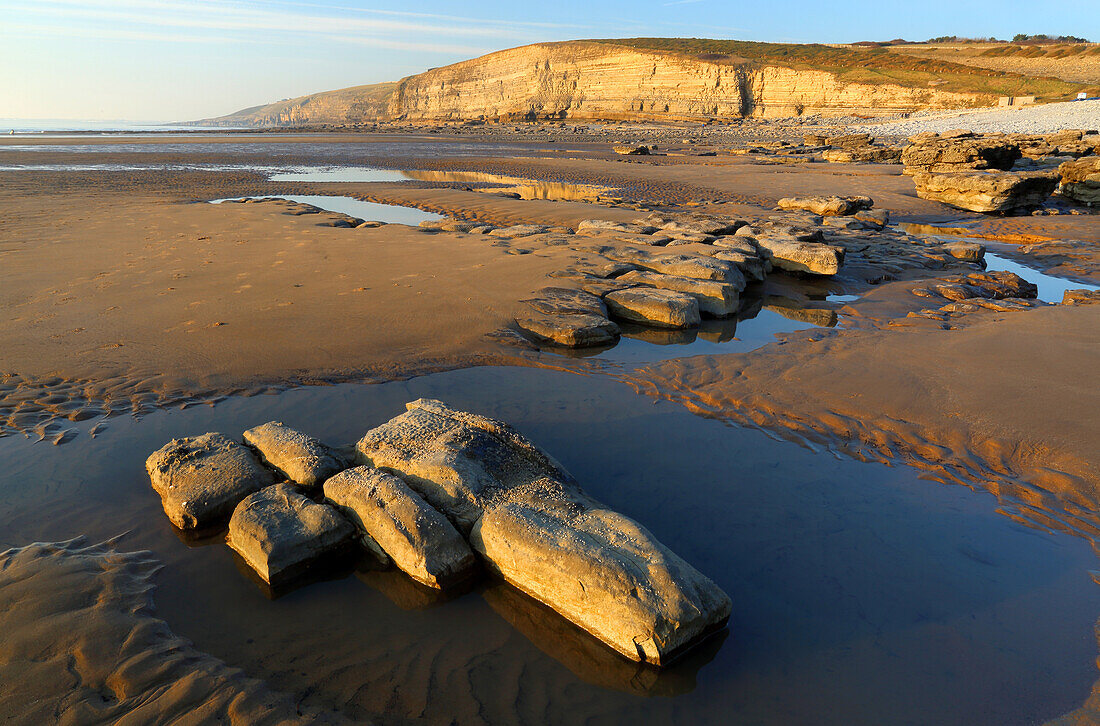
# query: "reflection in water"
[[588, 658], [405, 592], [1051, 288], [758, 322], [525, 188]]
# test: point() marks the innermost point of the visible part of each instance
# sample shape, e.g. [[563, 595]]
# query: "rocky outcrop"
[[201, 479], [532, 523], [421, 542], [589, 80], [989, 191], [1081, 180], [300, 458], [280, 533], [959, 151]]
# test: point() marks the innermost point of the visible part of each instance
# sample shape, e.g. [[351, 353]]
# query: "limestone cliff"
[[588, 80]]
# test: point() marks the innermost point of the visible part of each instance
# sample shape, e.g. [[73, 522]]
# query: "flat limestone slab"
[[804, 257], [419, 539], [715, 298], [202, 478], [280, 533], [571, 331], [457, 461], [603, 571], [300, 458], [662, 308], [533, 524]]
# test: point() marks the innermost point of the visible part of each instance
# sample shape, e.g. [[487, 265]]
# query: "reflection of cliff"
[[585, 80], [588, 658]]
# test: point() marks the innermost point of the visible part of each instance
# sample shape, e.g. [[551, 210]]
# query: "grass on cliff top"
[[862, 65]]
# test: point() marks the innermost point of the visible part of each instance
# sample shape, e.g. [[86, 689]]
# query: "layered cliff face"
[[599, 81], [593, 81]]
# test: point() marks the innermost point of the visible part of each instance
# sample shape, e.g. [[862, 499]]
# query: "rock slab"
[[661, 308], [532, 523], [300, 458], [202, 478], [280, 533], [418, 538]]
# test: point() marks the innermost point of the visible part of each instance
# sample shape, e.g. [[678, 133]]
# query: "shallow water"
[[367, 211], [1050, 287], [862, 593]]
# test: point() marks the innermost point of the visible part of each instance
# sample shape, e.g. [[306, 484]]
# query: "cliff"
[[600, 80]]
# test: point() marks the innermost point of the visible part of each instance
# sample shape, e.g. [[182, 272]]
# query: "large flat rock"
[[532, 523], [793, 255], [719, 299], [662, 308], [202, 478], [280, 533], [419, 539], [571, 330], [828, 206], [601, 570], [988, 191], [300, 458]]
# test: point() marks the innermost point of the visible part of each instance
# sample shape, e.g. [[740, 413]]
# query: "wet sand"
[[122, 292]]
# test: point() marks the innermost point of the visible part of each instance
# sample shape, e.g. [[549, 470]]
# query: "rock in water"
[[988, 191], [281, 533], [715, 298], [302, 459], [420, 541], [828, 206], [201, 479], [571, 330], [663, 308], [531, 522]]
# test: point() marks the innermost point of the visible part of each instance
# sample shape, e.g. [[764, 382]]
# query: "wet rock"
[[793, 255], [715, 298], [1081, 297], [662, 308], [625, 150], [965, 251], [571, 330], [201, 479], [710, 226], [988, 191], [420, 540], [300, 458], [828, 206], [564, 301], [280, 533], [1001, 284], [948, 154], [1081, 180], [531, 522]]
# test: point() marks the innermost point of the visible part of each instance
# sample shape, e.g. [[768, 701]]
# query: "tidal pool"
[[862, 593], [367, 211]]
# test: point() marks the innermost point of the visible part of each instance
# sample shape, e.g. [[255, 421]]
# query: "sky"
[[166, 60]]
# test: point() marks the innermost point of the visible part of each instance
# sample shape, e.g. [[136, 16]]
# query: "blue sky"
[[160, 60]]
